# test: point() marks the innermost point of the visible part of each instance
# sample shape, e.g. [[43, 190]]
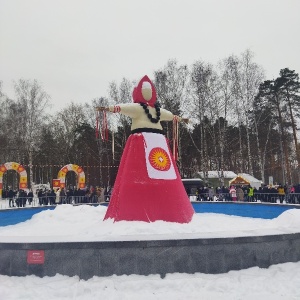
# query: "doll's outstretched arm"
[[127, 109], [102, 108], [168, 116], [113, 109], [185, 120], [180, 119]]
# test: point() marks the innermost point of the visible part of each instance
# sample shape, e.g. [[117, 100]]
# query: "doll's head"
[[144, 92]]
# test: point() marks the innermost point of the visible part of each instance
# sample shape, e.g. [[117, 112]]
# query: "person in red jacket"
[[232, 193]]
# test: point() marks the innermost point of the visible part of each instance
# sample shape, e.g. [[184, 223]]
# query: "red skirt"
[[148, 186]]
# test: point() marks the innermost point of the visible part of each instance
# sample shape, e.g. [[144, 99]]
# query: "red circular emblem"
[[159, 159]]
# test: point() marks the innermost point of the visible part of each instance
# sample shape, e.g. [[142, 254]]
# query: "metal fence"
[[48, 200], [5, 203], [293, 198]]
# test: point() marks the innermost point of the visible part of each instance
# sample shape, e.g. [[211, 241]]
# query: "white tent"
[[213, 177], [246, 179], [217, 174]]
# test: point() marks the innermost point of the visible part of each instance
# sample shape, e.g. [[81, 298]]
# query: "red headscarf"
[[137, 92]]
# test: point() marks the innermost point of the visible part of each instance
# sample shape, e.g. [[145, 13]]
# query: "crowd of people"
[[22, 198], [247, 193]]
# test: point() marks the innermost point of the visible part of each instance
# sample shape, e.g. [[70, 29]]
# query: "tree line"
[[239, 121]]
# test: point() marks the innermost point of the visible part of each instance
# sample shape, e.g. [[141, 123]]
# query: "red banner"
[[35, 256], [56, 183]]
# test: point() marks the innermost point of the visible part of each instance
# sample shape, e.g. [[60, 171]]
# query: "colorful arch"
[[17, 167], [70, 167]]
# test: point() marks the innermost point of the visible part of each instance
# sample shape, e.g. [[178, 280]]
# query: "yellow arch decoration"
[[71, 167], [17, 167]]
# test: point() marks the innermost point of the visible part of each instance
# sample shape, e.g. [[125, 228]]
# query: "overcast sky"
[[75, 48]]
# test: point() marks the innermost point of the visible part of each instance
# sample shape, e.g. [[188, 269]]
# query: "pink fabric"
[[136, 197]]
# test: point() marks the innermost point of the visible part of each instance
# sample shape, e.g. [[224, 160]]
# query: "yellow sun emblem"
[[159, 159]]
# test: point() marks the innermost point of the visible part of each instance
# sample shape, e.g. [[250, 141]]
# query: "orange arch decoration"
[[17, 167], [70, 167]]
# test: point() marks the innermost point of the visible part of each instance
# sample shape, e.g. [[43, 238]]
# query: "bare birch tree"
[[170, 83], [289, 86], [225, 110], [32, 101], [251, 77], [201, 79], [120, 124]]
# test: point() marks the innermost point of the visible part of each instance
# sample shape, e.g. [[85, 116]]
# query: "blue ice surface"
[[15, 216], [242, 209]]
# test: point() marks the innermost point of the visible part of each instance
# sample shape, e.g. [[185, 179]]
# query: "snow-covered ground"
[[85, 223]]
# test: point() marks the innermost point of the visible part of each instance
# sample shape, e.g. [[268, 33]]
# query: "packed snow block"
[[37, 270], [107, 258], [18, 263], [87, 263], [5, 263], [88, 259]]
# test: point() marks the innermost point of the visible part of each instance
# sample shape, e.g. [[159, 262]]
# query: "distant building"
[[246, 179], [212, 178]]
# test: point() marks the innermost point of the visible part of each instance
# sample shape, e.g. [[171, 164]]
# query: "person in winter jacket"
[[250, 194], [11, 195], [239, 194], [232, 193]]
